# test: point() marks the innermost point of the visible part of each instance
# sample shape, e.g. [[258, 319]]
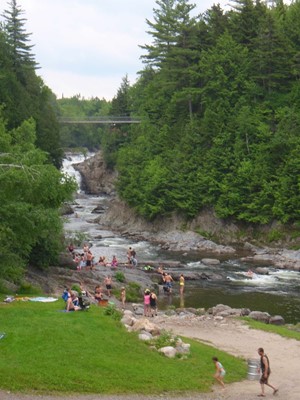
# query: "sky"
[[86, 47]]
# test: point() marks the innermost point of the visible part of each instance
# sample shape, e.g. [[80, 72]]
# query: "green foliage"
[[23, 95], [133, 292], [26, 288], [274, 235], [79, 135], [76, 288], [288, 331], [220, 94], [164, 339], [113, 312], [32, 193], [119, 276]]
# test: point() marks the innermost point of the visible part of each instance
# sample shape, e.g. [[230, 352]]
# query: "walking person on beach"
[[220, 371], [265, 372]]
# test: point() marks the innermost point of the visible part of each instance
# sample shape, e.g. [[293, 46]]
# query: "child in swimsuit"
[[220, 371]]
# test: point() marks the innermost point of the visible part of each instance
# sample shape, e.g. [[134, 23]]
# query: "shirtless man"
[[108, 283], [168, 281], [265, 373]]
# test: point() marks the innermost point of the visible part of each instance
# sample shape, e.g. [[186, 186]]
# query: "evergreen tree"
[[245, 22], [171, 22], [121, 103], [272, 60], [18, 38]]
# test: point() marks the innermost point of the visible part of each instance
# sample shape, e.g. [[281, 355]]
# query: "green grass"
[[48, 351], [280, 330]]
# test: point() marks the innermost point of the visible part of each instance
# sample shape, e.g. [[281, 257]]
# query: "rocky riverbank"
[[175, 233]]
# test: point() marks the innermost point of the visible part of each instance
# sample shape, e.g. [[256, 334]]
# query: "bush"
[[133, 292], [113, 312], [164, 339], [77, 289], [119, 276], [28, 288]]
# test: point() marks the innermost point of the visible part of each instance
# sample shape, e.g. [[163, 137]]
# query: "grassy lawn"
[[280, 330], [46, 350]]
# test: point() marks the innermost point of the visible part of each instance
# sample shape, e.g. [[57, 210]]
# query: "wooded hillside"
[[219, 96]]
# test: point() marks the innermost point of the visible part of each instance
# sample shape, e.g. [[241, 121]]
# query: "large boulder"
[[262, 271], [210, 261], [168, 351], [143, 324], [260, 316], [277, 320]]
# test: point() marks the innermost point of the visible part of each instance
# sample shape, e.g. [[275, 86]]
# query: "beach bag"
[[65, 295]]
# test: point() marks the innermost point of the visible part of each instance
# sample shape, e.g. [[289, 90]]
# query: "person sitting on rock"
[[114, 262], [71, 248], [102, 261], [98, 293]]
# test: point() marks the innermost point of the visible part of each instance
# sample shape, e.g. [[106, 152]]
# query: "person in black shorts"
[[153, 304], [108, 283]]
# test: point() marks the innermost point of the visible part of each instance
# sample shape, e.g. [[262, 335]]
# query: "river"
[[276, 293]]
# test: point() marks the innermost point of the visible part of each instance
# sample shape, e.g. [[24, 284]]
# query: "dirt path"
[[235, 338], [238, 339]]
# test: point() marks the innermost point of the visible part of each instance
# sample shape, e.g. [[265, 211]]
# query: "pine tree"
[[18, 38], [171, 24]]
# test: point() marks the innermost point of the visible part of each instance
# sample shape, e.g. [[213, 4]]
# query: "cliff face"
[[96, 178]]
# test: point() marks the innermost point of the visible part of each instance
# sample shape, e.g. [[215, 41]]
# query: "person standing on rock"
[[181, 284], [123, 297], [265, 372], [108, 284], [168, 282], [147, 303], [129, 255], [153, 303]]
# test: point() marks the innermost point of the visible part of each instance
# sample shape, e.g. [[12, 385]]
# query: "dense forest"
[[32, 187], [219, 99]]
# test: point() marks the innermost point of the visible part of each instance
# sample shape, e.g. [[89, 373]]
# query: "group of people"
[[131, 257], [86, 260], [264, 369], [150, 303], [168, 280]]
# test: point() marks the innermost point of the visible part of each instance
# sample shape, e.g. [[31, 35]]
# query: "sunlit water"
[[276, 293]]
